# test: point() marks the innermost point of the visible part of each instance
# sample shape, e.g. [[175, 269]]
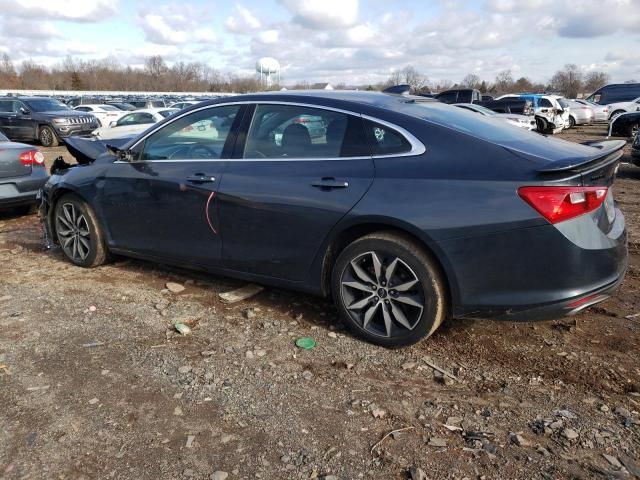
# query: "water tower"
[[267, 67]]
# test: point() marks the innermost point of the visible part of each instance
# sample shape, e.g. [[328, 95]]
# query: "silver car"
[[22, 173], [523, 121], [600, 112], [579, 114]]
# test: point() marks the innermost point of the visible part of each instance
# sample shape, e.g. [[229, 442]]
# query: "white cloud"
[[268, 36], [243, 22], [319, 14], [175, 24], [72, 10], [158, 30]]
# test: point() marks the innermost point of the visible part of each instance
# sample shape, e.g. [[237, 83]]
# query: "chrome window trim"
[[417, 147]]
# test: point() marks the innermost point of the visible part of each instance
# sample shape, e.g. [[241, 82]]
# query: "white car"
[[624, 107], [184, 104], [104, 113], [552, 116], [133, 123], [522, 121]]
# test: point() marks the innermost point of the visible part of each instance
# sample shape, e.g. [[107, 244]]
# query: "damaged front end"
[[85, 151]]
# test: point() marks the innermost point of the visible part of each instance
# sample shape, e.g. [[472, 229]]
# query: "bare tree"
[[567, 81], [471, 80], [523, 84], [595, 80], [408, 76], [8, 74], [504, 82]]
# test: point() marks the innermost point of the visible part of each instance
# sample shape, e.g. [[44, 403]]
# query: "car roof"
[[154, 110]]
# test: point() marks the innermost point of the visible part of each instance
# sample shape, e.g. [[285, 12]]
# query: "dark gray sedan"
[[22, 173]]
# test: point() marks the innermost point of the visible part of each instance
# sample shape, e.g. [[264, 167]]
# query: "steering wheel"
[[195, 151]]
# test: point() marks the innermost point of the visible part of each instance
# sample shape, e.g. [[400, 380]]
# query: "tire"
[[572, 122], [633, 130], [376, 311], [47, 137], [617, 112], [85, 244], [541, 125]]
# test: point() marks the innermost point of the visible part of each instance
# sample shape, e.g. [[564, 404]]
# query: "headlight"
[[60, 120]]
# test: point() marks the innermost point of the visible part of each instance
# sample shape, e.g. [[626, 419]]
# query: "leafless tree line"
[[108, 74], [156, 75], [569, 81]]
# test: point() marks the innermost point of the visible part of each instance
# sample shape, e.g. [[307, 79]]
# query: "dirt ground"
[[95, 383]]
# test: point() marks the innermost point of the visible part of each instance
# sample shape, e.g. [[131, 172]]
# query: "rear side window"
[[545, 103], [6, 106], [293, 131], [385, 140]]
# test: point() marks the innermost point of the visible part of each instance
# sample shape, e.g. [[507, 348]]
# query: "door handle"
[[329, 183], [201, 178]]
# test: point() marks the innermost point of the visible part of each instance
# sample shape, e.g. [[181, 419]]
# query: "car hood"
[[86, 150], [63, 113]]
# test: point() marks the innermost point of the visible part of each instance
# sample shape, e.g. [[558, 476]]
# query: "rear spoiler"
[[605, 152]]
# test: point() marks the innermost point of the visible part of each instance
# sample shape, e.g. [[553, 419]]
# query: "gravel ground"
[[95, 382]]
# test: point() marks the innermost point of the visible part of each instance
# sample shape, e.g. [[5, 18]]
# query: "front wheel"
[[79, 233], [47, 137], [633, 130], [572, 122], [388, 290]]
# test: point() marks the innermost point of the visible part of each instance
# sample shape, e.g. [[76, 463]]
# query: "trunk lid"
[[10, 165]]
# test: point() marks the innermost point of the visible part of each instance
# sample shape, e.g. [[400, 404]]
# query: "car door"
[[24, 125], [163, 203], [6, 118], [299, 171]]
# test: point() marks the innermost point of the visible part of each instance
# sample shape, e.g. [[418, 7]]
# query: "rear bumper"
[[537, 273], [22, 190]]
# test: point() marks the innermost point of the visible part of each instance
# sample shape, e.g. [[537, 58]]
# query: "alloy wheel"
[[73, 232], [46, 137], [382, 294]]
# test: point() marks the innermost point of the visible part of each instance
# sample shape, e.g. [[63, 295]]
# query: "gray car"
[[579, 114], [600, 112], [22, 173]]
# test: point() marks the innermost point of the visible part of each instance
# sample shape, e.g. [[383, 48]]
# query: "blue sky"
[[350, 41]]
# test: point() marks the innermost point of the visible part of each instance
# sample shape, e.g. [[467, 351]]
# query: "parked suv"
[[42, 119], [615, 93]]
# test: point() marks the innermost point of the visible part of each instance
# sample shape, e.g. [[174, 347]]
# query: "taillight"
[[32, 157], [558, 204]]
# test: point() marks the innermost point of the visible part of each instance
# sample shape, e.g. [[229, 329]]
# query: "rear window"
[[385, 140]]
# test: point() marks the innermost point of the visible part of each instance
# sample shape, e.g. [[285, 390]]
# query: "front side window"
[[385, 140], [46, 105], [292, 131], [199, 135], [6, 106]]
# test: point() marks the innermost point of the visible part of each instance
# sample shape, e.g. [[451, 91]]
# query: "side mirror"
[[124, 155], [24, 111], [113, 124]]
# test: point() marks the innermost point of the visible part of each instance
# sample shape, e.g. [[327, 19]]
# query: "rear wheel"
[[541, 125], [47, 137], [617, 112], [78, 232], [572, 122], [388, 290]]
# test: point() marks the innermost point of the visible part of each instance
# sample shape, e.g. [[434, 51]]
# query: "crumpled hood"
[[86, 150]]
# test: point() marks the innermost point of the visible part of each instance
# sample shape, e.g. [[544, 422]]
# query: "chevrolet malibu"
[[405, 211]]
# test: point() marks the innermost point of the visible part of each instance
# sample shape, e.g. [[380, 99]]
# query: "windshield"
[[108, 108], [46, 105]]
